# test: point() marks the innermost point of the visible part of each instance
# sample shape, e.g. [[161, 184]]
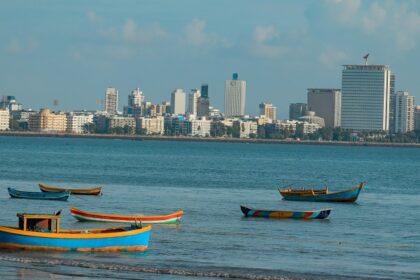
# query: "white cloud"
[[343, 10], [374, 18], [92, 17], [16, 46], [131, 32], [264, 42], [194, 33], [331, 57]]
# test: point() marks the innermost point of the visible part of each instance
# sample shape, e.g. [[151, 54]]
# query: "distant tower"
[[326, 102], [111, 100], [235, 94], [404, 112], [268, 110], [365, 97], [203, 101], [193, 99], [136, 98], [178, 102], [297, 110]]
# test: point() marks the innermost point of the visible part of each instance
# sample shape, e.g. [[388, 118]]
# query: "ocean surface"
[[377, 237]]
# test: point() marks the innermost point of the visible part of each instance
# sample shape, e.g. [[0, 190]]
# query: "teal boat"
[[63, 196], [322, 195]]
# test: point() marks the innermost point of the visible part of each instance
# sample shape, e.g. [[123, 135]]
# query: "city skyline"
[[78, 49]]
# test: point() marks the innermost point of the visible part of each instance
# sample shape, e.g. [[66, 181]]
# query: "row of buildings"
[[367, 100]]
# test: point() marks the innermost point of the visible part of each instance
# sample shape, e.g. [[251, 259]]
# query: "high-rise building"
[[203, 101], [111, 100], [404, 112], [392, 104], [326, 103], [235, 94], [297, 110], [178, 102], [417, 118], [47, 121], [136, 98], [268, 110], [193, 99], [365, 97]]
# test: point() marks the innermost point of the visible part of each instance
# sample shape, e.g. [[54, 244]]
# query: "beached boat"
[[84, 216], [322, 195], [38, 195], [83, 191], [42, 232], [284, 214]]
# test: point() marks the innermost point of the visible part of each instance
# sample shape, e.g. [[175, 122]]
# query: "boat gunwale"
[[92, 190], [176, 214]]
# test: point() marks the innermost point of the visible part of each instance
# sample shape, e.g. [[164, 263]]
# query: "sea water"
[[377, 237]]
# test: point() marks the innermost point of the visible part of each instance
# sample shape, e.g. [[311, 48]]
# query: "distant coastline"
[[205, 139]]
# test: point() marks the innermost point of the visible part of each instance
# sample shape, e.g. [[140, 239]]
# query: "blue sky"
[[72, 50]]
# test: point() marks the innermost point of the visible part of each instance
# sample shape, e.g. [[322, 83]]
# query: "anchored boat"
[[322, 195], [285, 214], [84, 216], [82, 191], [43, 232], [38, 195]]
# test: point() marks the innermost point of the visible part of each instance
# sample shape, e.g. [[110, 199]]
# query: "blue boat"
[[322, 195], [42, 232], [38, 195]]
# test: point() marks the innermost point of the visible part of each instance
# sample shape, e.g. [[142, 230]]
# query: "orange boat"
[[86, 191]]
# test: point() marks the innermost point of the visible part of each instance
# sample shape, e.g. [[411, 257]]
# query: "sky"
[[71, 51]]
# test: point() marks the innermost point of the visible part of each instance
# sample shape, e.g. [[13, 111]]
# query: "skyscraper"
[[365, 97], [297, 110], [417, 117], [268, 110], [193, 98], [392, 104], [235, 94], [404, 112], [178, 102], [203, 101], [326, 103], [111, 100]]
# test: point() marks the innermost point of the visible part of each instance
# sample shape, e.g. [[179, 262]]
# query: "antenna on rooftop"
[[366, 58]]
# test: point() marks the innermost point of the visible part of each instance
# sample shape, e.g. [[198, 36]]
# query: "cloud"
[[131, 32], [374, 18], [92, 17], [194, 33], [265, 44], [331, 57], [16, 46]]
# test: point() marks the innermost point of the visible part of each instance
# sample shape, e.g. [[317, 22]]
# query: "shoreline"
[[205, 139]]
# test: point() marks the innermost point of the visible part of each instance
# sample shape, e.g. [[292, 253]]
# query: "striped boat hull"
[[127, 240], [85, 216], [279, 214]]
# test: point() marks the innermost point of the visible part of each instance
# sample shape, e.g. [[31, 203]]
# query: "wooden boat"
[[86, 191], [42, 232], [38, 195], [85, 216], [281, 214], [322, 195]]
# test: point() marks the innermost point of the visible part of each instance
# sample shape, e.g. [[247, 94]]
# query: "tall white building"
[[404, 112], [4, 119], [111, 100], [193, 99], [235, 94], [268, 110], [326, 103], [365, 94], [178, 102]]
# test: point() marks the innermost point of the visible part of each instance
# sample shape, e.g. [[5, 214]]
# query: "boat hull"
[[129, 240], [62, 196], [88, 191], [277, 214], [349, 195], [85, 216]]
